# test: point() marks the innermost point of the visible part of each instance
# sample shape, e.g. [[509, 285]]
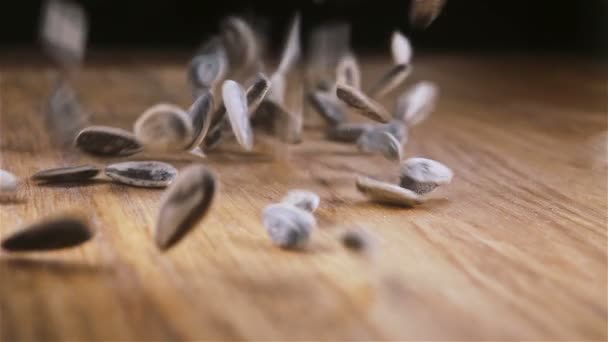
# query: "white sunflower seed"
[[401, 49], [348, 131], [389, 81], [330, 108], [66, 174], [8, 182], [380, 141], [423, 175], [288, 226], [107, 141], [184, 204], [424, 12], [238, 113], [50, 234], [292, 50], [348, 71], [147, 174], [387, 193], [303, 199], [362, 103], [200, 114], [417, 103], [164, 128], [64, 31]]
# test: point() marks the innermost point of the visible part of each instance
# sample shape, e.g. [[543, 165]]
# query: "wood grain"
[[514, 248]]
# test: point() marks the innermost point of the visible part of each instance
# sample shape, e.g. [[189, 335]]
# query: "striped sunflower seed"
[[389, 81], [66, 174], [8, 182], [288, 226], [417, 103], [147, 174], [422, 175], [107, 141], [50, 234], [387, 193], [382, 142], [401, 49], [362, 103], [348, 132], [328, 107], [303, 199], [348, 71], [164, 128], [200, 115], [424, 12], [256, 92], [238, 113], [184, 204]]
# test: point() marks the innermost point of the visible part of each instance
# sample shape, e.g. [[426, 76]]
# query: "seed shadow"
[[369, 204], [57, 267], [314, 247], [234, 157], [74, 184]]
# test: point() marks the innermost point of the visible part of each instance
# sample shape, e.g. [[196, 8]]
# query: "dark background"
[[564, 26]]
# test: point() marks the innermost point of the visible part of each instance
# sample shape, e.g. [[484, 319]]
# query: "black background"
[[530, 26]]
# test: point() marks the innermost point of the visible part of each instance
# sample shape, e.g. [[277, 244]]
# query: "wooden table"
[[514, 248]]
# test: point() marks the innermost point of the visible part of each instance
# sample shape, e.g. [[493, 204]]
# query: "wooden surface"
[[514, 248]]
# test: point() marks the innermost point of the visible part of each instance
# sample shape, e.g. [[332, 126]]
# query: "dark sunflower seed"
[[200, 114], [362, 103], [107, 141], [389, 81], [288, 226], [423, 175], [257, 92], [348, 72], [148, 174], [66, 174], [51, 234], [184, 204], [328, 107], [348, 132], [387, 193]]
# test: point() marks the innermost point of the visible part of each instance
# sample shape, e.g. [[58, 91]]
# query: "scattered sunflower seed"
[[238, 113], [292, 50], [380, 141], [348, 72], [240, 42], [107, 141], [257, 92], [147, 174], [357, 239], [423, 175], [424, 12], [401, 49], [303, 199], [164, 128], [184, 204], [348, 131], [209, 66], [389, 81], [383, 192], [200, 114], [66, 174], [8, 182], [288, 226], [50, 234], [417, 103], [328, 107], [214, 137], [362, 103], [64, 31]]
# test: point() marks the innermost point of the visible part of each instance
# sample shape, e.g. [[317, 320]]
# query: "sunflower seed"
[[164, 128], [200, 114], [288, 125], [327, 43], [401, 49], [65, 116], [379, 141], [292, 50], [357, 239], [348, 131], [303, 199], [387, 193], [330, 108], [288, 226], [276, 93], [184, 204], [147, 174], [257, 92], [107, 141], [362, 103], [417, 103], [238, 113], [389, 81], [64, 32], [348, 72], [424, 12], [267, 115], [423, 175], [240, 42], [50, 234], [66, 174], [214, 137], [8, 182], [209, 66]]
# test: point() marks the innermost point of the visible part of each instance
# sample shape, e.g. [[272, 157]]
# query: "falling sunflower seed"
[[303, 199], [50, 234], [417, 103], [422, 175], [238, 113], [107, 141], [348, 132], [200, 115], [424, 12], [348, 71], [209, 66], [8, 182], [292, 50], [330, 108], [147, 174], [288, 226], [379, 141], [389, 81], [64, 32], [362, 103], [401, 49], [256, 92], [66, 174], [387, 193], [184, 204], [276, 93], [240, 42], [65, 116], [164, 128]]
